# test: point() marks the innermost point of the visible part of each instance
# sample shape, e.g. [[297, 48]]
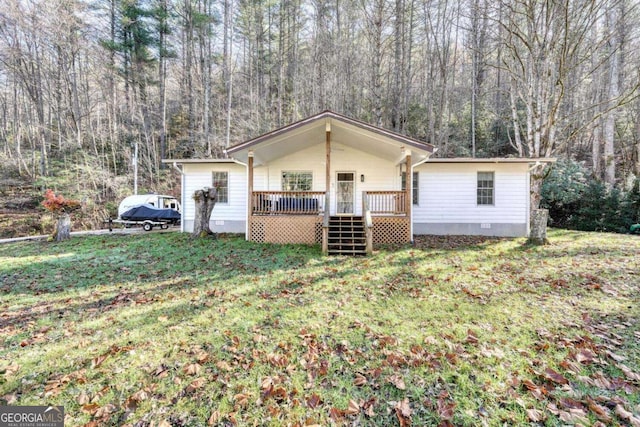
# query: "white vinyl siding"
[[449, 192], [379, 174], [198, 176]]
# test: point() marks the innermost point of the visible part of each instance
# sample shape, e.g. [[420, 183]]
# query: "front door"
[[345, 193]]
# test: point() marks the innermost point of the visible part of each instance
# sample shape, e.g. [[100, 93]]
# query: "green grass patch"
[[151, 328]]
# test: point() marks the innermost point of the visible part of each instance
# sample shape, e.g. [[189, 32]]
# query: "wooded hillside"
[[84, 83]]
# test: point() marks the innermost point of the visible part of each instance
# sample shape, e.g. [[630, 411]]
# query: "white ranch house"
[[336, 181]]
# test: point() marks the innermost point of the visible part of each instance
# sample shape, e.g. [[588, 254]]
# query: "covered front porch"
[[302, 217], [330, 180]]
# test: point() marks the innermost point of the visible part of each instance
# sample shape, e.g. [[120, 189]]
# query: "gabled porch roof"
[[344, 130]]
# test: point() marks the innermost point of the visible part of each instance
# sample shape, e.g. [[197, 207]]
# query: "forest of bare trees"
[[85, 83]]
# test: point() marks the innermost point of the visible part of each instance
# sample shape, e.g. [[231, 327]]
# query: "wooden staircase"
[[347, 236]]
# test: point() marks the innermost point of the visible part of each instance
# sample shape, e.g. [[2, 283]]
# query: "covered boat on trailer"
[[148, 211]]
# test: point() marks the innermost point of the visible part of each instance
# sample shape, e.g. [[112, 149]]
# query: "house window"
[[221, 183], [486, 185], [297, 181], [415, 190]]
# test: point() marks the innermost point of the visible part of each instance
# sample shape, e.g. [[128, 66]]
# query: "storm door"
[[345, 193]]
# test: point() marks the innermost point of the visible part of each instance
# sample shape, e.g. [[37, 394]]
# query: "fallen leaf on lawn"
[[313, 401], [554, 376], [626, 415], [430, 340], [214, 419], [140, 395], [192, 369], [472, 338], [601, 412], [397, 381], [241, 400], [279, 393], [11, 369], [445, 408], [614, 356], [585, 356], [403, 412], [90, 408], [535, 415], [574, 416], [367, 406], [163, 319], [353, 408], [195, 384], [538, 391], [629, 373], [202, 357], [164, 423], [337, 415], [569, 403], [223, 366], [83, 398], [97, 361], [360, 380], [132, 402], [10, 398], [277, 360], [105, 411]]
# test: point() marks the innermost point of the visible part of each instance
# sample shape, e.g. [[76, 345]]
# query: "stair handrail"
[[325, 223]]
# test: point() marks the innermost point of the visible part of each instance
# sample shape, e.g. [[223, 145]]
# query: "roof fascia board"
[[340, 118], [494, 160]]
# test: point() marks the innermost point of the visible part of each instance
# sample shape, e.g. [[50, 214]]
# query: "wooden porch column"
[[409, 192], [327, 187], [250, 193]]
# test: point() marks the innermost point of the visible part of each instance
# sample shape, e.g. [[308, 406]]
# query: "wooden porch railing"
[[386, 202], [288, 202]]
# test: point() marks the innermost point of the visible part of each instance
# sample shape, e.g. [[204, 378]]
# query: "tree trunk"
[[205, 201], [63, 228], [538, 234]]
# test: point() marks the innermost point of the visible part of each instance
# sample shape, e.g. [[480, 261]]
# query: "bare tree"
[[542, 41]]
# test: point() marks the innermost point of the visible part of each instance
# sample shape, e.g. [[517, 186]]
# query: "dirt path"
[[119, 231]]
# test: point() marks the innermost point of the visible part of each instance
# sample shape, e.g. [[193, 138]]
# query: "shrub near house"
[[576, 200]]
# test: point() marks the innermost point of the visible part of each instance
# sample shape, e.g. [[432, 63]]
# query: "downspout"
[[175, 166], [246, 205], [411, 175]]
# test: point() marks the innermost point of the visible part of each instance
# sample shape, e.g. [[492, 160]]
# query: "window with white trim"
[[297, 181], [415, 189], [221, 184], [486, 187]]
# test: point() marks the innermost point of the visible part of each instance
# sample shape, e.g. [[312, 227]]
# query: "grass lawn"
[[158, 329]]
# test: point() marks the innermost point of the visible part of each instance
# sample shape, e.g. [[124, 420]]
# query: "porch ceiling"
[[310, 132]]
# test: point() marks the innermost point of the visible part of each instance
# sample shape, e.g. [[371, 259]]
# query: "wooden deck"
[[299, 217]]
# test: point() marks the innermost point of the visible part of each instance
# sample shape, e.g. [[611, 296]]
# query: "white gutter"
[[175, 166]]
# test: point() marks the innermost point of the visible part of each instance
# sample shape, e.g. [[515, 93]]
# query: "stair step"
[[346, 236], [347, 252]]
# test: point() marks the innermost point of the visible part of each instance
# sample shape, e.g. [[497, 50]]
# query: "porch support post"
[[327, 187], [408, 199], [250, 193]]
